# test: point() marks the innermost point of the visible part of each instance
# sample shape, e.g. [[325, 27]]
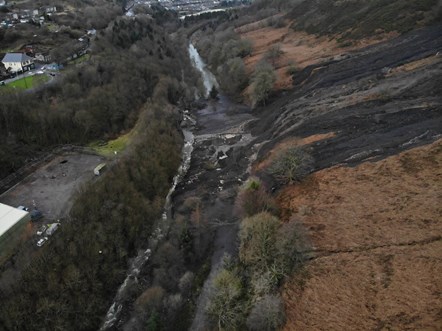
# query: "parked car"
[[23, 208], [42, 241], [52, 228], [41, 230]]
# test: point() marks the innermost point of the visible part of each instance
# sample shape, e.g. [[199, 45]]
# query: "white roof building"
[[17, 62], [9, 217]]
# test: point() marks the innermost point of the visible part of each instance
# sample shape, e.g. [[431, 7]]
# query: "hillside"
[[356, 86], [306, 195], [376, 234]]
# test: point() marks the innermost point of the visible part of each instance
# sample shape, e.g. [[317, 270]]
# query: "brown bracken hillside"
[[376, 237]]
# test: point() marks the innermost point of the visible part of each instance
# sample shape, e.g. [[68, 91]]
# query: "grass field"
[[108, 149], [26, 83]]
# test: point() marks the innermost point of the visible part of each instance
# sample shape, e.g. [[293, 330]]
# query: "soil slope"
[[298, 48], [376, 232]]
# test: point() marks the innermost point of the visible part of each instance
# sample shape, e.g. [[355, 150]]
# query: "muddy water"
[[211, 134], [220, 140]]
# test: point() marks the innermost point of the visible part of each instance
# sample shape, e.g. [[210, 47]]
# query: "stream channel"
[[213, 135]]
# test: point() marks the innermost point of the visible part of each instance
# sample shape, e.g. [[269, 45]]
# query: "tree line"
[[98, 100], [137, 74]]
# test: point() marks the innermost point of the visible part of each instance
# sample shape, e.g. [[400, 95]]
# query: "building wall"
[[10, 239], [17, 66]]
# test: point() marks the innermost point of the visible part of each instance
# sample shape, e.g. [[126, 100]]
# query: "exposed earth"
[[373, 122], [298, 49], [51, 187]]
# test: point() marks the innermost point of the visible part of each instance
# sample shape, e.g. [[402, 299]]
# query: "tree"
[[291, 165], [267, 314], [274, 53], [213, 93], [253, 199], [257, 241], [234, 77], [225, 308], [262, 83]]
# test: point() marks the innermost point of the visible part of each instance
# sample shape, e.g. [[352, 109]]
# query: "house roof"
[[16, 57], [9, 216]]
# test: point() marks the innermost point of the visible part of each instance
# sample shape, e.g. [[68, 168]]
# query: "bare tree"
[[291, 165], [267, 314]]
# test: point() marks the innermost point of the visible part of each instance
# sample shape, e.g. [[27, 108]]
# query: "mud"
[[374, 113]]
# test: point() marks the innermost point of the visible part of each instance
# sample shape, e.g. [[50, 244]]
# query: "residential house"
[[43, 57], [50, 9], [17, 62]]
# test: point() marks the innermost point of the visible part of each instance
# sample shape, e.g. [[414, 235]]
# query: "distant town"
[[190, 7]]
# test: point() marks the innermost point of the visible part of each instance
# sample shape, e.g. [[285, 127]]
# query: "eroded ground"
[[376, 234], [298, 49]]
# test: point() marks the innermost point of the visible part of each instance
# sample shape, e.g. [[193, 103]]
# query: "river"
[[220, 125]]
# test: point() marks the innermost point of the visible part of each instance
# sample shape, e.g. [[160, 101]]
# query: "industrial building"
[[12, 226]]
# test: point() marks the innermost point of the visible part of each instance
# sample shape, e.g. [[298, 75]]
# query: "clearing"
[[51, 186]]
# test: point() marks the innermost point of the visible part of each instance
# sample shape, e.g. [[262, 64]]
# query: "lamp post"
[[24, 76]]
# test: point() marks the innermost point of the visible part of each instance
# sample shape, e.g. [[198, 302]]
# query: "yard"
[[25, 83]]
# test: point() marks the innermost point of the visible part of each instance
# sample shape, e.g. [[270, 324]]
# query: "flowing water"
[[215, 118], [143, 256], [209, 79]]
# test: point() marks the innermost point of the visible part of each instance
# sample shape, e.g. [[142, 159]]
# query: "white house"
[[16, 62]]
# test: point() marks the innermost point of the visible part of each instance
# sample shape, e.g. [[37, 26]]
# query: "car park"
[[36, 215]]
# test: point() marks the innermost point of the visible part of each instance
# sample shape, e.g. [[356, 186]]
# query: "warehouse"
[[12, 226]]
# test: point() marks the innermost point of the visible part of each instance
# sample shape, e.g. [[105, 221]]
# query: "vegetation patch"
[[112, 147], [25, 83], [291, 165], [359, 19]]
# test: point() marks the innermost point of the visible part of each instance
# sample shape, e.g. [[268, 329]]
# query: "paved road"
[[38, 68]]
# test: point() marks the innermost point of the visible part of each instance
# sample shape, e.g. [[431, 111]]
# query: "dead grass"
[[415, 65], [377, 230], [299, 48], [288, 143]]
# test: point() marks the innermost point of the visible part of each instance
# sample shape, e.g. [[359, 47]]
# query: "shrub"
[[262, 83], [257, 241], [267, 314], [150, 299], [274, 53], [291, 165], [225, 308], [253, 199]]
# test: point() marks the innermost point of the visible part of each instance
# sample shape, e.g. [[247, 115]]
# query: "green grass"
[[25, 83], [117, 145]]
